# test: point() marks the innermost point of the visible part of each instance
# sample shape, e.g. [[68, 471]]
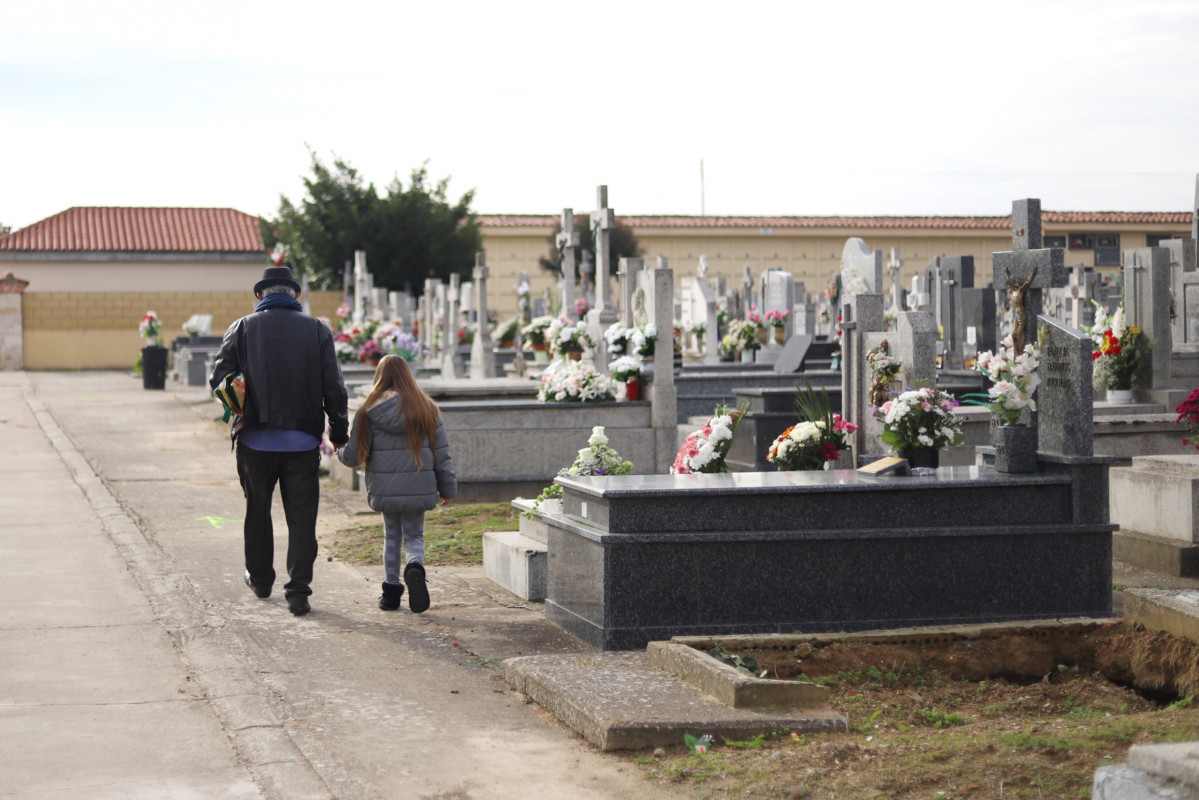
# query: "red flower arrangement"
[[1188, 414]]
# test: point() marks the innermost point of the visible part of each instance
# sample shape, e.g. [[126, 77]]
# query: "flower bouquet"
[[370, 353], [920, 418], [815, 442], [400, 343], [884, 367], [1188, 414], [533, 334], [1120, 350], [574, 382], [150, 329], [777, 318], [597, 458], [505, 332], [742, 335], [564, 336], [626, 367], [631, 341], [705, 449], [1014, 377]]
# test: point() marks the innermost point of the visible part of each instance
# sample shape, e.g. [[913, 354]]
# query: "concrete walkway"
[[137, 664]]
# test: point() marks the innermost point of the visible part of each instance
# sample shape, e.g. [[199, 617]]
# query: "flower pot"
[[1016, 449], [762, 335], [1119, 397], [632, 388], [540, 356], [921, 457], [778, 335], [574, 355], [154, 367]]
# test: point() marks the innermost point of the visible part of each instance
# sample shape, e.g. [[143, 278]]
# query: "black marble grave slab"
[[634, 559]]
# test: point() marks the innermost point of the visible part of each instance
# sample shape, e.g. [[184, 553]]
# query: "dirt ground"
[[1009, 717]]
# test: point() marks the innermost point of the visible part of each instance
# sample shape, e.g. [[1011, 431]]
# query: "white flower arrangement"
[[563, 336], [920, 418], [1015, 379], [852, 280], [626, 367], [597, 458], [705, 449], [631, 341], [574, 382]]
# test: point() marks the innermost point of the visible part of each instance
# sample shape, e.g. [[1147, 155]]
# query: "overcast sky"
[[794, 107]]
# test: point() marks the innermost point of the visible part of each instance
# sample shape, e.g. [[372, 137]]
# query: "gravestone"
[[568, 246], [653, 302], [860, 317], [914, 342], [1079, 291], [430, 313], [627, 272], [451, 359], [1184, 290], [482, 357], [1065, 398], [918, 298], [1147, 305], [778, 294], [701, 307], [861, 270], [794, 352], [978, 321], [957, 275], [934, 287], [1027, 269]]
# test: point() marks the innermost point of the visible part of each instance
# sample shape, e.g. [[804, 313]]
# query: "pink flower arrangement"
[[777, 317]]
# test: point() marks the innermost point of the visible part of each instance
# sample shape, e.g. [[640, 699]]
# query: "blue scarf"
[[278, 301]]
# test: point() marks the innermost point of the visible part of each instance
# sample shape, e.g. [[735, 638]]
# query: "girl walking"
[[399, 439]]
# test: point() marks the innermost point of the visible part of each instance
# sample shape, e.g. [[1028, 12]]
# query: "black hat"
[[276, 276]]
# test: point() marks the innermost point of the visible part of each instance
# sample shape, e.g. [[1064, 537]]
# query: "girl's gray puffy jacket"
[[393, 482]]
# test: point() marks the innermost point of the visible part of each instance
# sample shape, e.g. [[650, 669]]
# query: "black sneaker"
[[259, 591], [392, 593], [298, 605], [418, 593]]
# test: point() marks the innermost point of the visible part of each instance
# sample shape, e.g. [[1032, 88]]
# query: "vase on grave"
[[154, 367], [762, 335], [1119, 397], [921, 457], [194, 338], [632, 388], [835, 363], [541, 353], [574, 355], [778, 335], [1016, 449]]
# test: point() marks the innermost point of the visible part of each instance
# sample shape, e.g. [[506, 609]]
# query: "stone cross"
[[603, 219], [428, 323], [655, 288], [957, 274], [895, 264], [1080, 288], [451, 359], [361, 304], [568, 247], [747, 292], [482, 357], [1027, 269]]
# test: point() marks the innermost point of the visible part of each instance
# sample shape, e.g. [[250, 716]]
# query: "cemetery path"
[[348, 702]]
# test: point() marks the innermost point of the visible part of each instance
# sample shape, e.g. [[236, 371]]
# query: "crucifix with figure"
[[1027, 269]]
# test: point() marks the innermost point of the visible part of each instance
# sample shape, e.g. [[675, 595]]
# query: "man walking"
[[293, 382]]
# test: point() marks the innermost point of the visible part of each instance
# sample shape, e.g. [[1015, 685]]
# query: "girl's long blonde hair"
[[419, 411]]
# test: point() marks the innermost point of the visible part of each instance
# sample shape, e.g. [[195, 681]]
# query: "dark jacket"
[[393, 481], [292, 376]]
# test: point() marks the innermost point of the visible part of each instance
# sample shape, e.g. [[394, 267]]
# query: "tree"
[[621, 240], [408, 234]]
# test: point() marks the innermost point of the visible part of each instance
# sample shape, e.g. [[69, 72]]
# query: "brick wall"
[[98, 330]]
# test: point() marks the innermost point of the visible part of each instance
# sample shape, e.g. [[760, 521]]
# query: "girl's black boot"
[[392, 592]]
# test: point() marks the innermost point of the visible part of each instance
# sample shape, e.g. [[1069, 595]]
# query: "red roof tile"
[[90, 229], [1095, 218]]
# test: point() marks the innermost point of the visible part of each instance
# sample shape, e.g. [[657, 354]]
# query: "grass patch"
[[453, 535]]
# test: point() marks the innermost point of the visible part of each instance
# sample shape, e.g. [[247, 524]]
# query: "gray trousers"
[[407, 527]]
